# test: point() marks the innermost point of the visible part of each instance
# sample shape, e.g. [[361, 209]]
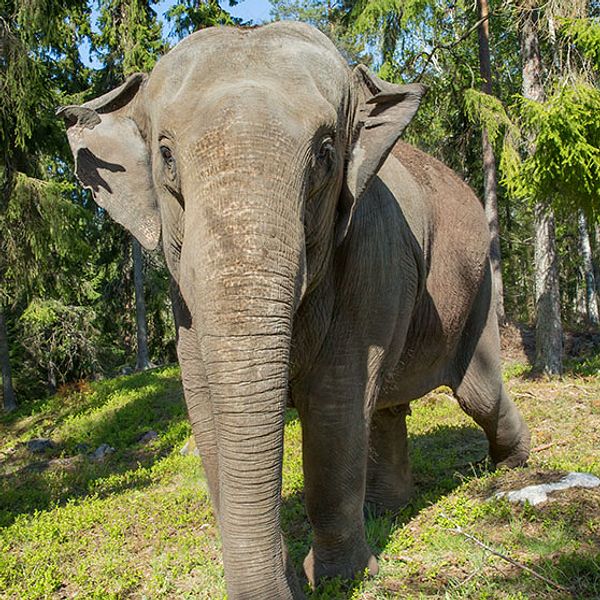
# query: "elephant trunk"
[[248, 279]]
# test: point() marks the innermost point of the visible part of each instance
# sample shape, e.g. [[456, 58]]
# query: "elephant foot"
[[515, 455], [352, 565]]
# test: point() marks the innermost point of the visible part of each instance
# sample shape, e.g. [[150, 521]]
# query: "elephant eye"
[[326, 150], [167, 155]]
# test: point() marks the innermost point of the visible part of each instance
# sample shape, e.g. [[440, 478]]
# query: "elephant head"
[[250, 150]]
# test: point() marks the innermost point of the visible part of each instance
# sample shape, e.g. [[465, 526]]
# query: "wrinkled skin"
[[319, 262]]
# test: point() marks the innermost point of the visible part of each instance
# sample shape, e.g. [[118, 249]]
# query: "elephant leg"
[[197, 396], [478, 387], [335, 447], [389, 477]]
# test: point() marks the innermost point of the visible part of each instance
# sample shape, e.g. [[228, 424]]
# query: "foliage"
[[190, 16], [565, 166], [60, 340], [130, 39], [489, 112], [585, 34], [42, 244]]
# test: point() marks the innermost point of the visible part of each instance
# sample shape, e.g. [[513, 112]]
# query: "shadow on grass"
[[108, 416], [442, 460]]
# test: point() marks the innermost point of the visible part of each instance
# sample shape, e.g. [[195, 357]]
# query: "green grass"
[[139, 524]]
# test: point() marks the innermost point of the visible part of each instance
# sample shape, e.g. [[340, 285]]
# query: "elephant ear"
[[113, 160], [383, 110]]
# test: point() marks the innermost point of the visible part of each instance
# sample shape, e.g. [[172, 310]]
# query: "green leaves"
[[189, 16], [565, 166], [487, 111], [585, 34]]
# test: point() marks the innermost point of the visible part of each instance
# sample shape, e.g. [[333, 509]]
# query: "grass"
[[139, 524]]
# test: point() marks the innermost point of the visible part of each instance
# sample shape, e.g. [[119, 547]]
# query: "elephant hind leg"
[[389, 476], [492, 408], [478, 387]]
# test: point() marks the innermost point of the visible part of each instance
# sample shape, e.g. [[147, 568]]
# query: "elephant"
[[319, 262]]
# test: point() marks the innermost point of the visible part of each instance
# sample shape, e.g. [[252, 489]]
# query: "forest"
[[512, 106], [102, 494]]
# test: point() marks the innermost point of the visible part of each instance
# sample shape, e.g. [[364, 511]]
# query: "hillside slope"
[[137, 523]]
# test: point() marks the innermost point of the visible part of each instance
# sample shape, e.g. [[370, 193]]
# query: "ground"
[[138, 524]]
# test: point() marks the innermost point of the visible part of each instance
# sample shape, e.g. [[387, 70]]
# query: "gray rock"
[[39, 445], [102, 452], [536, 494], [148, 437]]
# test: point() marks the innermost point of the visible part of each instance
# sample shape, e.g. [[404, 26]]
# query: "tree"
[[188, 16], [36, 41], [547, 294], [8, 393], [490, 181]]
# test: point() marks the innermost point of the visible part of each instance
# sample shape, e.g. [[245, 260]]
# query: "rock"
[[148, 437], [39, 445], [82, 448], [536, 494], [126, 371], [190, 448], [102, 452]]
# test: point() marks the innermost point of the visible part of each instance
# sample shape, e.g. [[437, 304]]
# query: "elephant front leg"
[[335, 444], [197, 398], [389, 476]]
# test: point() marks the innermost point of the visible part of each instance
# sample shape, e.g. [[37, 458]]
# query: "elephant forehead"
[[294, 58]]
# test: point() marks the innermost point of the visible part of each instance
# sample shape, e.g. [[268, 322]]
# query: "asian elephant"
[[319, 262]]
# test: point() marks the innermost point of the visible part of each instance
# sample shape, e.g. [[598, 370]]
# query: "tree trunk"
[[548, 333], [548, 358], [595, 259], [490, 182], [8, 393], [143, 360], [591, 299]]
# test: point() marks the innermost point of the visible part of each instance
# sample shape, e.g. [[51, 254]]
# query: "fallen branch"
[[458, 529], [523, 395], [543, 447]]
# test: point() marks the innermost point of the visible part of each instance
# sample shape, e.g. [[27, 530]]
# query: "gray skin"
[[319, 262]]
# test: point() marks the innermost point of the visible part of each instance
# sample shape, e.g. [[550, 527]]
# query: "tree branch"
[[462, 38], [458, 529]]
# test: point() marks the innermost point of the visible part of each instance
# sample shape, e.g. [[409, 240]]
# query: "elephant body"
[[318, 261]]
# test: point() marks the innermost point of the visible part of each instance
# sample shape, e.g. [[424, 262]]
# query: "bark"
[[8, 393], [595, 259], [591, 299], [143, 360], [548, 333], [548, 357], [490, 180]]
